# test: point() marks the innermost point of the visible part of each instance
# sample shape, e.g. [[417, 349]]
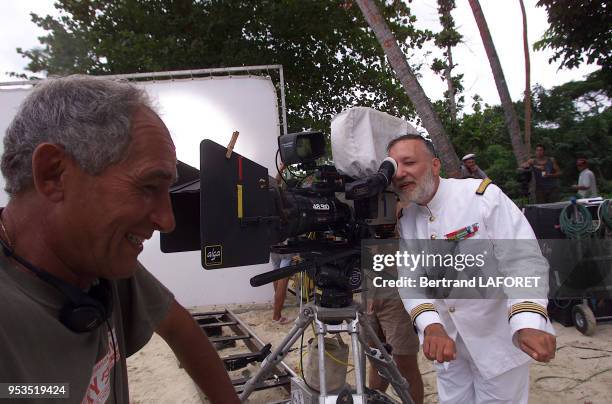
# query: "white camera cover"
[[359, 139]]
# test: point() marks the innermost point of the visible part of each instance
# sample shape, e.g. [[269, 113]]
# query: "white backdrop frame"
[[190, 73]]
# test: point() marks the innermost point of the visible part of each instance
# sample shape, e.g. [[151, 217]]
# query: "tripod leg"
[[321, 352], [356, 347], [383, 362], [278, 354]]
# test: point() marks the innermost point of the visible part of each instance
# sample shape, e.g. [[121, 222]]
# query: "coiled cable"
[[575, 221]]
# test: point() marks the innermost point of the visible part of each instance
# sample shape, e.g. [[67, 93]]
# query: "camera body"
[[236, 212], [321, 216], [355, 208]]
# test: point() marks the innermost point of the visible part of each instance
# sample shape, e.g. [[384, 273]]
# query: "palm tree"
[[518, 147], [527, 80], [447, 39], [415, 92]]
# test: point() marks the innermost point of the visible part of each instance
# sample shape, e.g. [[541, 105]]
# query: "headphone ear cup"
[[86, 312], [83, 312], [83, 317]]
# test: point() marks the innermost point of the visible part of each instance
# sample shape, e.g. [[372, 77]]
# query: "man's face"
[[469, 164], [108, 216], [418, 171], [580, 165], [539, 151]]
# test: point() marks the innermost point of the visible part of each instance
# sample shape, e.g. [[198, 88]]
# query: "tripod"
[[336, 320]]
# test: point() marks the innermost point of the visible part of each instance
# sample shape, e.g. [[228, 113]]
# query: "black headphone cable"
[[110, 331]]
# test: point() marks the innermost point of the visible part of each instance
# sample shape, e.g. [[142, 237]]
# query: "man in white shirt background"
[[587, 185]]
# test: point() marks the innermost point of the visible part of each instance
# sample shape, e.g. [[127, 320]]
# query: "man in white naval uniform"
[[488, 342]]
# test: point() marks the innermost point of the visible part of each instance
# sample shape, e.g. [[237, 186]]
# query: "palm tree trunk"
[[527, 80], [527, 100], [518, 147], [422, 104], [452, 105]]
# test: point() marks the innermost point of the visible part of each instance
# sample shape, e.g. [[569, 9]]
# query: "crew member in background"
[[587, 185], [88, 166], [469, 168], [393, 326], [280, 288], [280, 261], [489, 343], [546, 173]]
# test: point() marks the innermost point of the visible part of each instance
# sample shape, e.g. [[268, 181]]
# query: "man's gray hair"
[[414, 136], [89, 117]]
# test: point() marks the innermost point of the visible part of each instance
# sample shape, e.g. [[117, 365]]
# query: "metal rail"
[[213, 323], [188, 73]]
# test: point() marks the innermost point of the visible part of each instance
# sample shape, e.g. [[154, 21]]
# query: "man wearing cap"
[[469, 169], [482, 347], [587, 185]]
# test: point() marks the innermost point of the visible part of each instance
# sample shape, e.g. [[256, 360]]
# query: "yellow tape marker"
[[239, 191]]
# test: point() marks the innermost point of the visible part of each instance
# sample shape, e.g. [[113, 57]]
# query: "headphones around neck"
[[83, 312]]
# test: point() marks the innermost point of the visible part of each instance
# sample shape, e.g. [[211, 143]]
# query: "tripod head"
[[335, 270]]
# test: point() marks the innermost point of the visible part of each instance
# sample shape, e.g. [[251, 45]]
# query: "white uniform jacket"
[[484, 325]]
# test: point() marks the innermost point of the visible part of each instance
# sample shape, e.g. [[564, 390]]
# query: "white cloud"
[[18, 30]]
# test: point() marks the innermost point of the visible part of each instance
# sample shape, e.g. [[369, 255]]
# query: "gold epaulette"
[[483, 186]]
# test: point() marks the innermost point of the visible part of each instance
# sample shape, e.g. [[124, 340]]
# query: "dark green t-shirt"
[[37, 348]]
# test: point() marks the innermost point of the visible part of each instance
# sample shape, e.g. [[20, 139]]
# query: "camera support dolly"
[[337, 320]]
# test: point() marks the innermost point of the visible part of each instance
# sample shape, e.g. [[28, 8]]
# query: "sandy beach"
[[580, 373]]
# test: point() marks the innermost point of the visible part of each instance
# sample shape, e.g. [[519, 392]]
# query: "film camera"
[[235, 214], [233, 211]]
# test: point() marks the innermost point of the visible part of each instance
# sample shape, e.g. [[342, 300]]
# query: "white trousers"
[[462, 383]]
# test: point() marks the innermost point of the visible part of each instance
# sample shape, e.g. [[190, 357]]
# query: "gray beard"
[[421, 193]]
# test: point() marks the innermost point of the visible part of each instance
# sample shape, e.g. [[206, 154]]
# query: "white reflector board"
[[195, 109]]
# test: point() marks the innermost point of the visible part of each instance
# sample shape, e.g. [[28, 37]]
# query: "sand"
[[580, 373]]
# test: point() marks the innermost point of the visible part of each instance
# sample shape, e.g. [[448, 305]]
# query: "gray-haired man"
[[88, 165]]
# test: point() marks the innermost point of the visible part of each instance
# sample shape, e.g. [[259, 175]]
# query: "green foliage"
[[502, 167], [446, 39], [331, 59], [449, 36], [477, 131], [571, 120], [578, 29], [573, 134]]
